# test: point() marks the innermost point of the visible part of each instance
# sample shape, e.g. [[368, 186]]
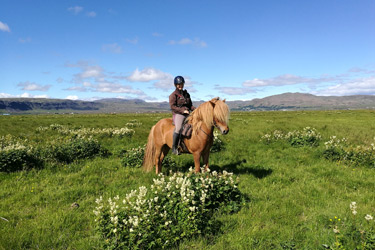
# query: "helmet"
[[179, 80]]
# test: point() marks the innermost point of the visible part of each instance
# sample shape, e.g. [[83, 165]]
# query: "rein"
[[212, 129], [206, 133]]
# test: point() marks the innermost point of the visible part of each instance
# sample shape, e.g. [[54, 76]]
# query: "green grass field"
[[293, 192]]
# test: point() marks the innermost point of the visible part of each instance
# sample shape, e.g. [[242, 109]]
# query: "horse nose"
[[226, 131]]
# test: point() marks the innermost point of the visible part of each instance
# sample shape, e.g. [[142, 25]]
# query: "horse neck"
[[207, 131]]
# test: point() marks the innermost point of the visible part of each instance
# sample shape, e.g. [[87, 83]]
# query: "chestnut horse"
[[214, 113]]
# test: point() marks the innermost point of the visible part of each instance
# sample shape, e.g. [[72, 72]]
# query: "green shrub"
[[19, 159], [172, 209], [297, 138], [67, 151], [16, 154], [218, 144], [339, 150], [133, 157]]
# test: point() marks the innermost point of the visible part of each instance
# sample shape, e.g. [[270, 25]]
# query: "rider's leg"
[[178, 120]]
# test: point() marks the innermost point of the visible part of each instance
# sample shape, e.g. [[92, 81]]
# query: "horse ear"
[[214, 100], [224, 100]]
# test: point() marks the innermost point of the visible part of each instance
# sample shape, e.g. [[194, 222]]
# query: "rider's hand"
[[186, 112]]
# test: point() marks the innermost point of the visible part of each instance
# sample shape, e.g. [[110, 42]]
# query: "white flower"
[[353, 207], [369, 217]]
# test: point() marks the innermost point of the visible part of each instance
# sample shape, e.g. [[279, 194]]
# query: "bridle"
[[215, 125]]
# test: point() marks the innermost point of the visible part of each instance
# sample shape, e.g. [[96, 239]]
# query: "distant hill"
[[299, 101], [286, 101]]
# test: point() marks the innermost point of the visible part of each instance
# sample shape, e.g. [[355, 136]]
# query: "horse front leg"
[[197, 163], [205, 157]]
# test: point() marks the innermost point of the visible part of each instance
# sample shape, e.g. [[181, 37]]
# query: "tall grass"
[[293, 191]]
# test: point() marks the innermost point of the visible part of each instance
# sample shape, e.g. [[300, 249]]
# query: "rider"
[[181, 107]]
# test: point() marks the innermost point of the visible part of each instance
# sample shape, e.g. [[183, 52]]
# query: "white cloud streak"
[[363, 86], [187, 41], [91, 14], [4, 27], [75, 10], [113, 48], [32, 86]]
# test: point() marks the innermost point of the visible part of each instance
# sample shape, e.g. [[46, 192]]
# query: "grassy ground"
[[293, 192]]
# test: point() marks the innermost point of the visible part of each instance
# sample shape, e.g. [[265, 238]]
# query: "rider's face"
[[180, 86]]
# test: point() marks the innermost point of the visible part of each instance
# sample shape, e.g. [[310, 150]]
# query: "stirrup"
[[175, 151]]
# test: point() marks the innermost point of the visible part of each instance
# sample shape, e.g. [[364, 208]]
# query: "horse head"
[[220, 115]]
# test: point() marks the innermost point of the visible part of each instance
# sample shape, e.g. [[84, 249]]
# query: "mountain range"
[[286, 101]]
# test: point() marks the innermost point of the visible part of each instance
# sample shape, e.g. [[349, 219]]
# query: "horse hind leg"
[[159, 157]]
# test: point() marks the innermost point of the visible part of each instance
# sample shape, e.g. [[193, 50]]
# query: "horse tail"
[[148, 159]]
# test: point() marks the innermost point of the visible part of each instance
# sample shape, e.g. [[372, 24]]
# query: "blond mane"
[[206, 112]]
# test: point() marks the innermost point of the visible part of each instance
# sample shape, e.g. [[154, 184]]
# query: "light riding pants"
[[178, 120]]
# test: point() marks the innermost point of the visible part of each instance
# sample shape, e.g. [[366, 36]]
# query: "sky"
[[233, 49]]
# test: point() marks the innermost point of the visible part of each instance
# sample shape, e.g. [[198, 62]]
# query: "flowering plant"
[[355, 231], [339, 150], [306, 137], [218, 144], [84, 132], [17, 154], [172, 209]]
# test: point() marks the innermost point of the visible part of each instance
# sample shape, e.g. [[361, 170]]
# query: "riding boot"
[[176, 137]]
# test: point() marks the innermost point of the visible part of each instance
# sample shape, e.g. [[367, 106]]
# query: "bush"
[[218, 144], [174, 208], [133, 157], [16, 154], [73, 149], [339, 150], [19, 159], [297, 138]]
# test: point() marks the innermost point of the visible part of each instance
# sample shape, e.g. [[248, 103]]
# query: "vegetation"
[[300, 189]]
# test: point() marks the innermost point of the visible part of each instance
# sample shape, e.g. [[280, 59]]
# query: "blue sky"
[[238, 50]]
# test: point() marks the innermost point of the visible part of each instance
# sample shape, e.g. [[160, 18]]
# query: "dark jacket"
[[180, 101]]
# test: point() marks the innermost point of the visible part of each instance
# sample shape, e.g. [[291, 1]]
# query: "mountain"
[[300, 101], [286, 101]]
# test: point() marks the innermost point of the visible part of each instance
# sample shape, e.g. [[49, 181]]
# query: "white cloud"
[[5, 95], [75, 10], [4, 27], [27, 95], [77, 88], [234, 90], [32, 86], [157, 34], [149, 74], [115, 88], [25, 40], [72, 97], [112, 48], [363, 86], [132, 41], [91, 14], [187, 41], [286, 79]]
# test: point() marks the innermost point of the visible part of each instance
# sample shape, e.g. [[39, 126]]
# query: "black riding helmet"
[[179, 80]]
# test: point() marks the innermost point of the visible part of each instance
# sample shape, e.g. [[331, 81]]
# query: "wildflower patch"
[[306, 137], [355, 231], [172, 209], [337, 149], [84, 132]]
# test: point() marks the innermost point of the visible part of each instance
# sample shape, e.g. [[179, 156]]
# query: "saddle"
[[185, 133]]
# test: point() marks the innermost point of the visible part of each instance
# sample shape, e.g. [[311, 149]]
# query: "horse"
[[210, 114]]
